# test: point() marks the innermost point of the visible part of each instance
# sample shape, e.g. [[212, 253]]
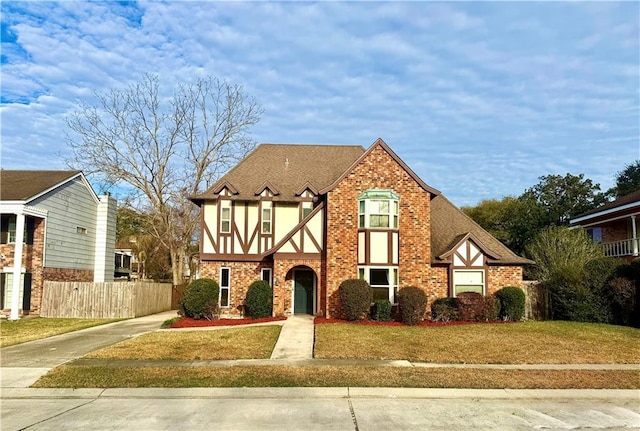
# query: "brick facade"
[[377, 170], [617, 230]]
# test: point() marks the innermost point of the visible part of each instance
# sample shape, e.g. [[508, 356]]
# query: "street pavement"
[[357, 409]]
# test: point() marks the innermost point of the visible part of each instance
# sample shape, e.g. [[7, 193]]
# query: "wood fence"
[[537, 304], [104, 300]]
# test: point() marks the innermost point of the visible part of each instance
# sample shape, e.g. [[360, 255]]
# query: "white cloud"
[[479, 98]]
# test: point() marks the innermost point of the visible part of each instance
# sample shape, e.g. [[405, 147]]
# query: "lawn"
[[237, 343], [34, 328], [551, 342], [73, 376]]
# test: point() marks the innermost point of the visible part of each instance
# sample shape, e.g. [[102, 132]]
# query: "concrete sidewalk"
[[296, 338]]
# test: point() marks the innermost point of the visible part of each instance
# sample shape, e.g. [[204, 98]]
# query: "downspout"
[[634, 235], [17, 267]]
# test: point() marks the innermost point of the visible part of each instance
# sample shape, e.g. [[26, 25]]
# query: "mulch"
[[323, 320], [187, 322]]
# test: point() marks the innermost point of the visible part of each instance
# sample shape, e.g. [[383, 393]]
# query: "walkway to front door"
[[303, 293], [296, 338]]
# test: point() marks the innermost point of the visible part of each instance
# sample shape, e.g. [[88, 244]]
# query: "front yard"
[[35, 328], [519, 343], [551, 342]]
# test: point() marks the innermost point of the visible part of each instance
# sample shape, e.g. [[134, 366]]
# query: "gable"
[[378, 146], [25, 185]]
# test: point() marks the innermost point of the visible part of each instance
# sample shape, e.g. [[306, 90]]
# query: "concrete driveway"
[[25, 363]]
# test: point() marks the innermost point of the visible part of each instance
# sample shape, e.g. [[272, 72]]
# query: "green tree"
[[627, 180], [564, 197]]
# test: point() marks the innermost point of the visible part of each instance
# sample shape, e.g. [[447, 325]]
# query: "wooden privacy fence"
[[537, 304], [104, 300]]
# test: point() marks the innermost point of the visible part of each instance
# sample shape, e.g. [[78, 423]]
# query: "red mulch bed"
[[187, 322], [322, 320]]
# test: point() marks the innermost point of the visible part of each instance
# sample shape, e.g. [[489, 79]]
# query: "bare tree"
[[165, 148]]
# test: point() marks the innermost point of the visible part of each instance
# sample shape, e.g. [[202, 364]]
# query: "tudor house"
[[307, 217], [54, 227]]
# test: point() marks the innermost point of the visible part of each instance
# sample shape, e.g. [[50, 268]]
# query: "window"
[[225, 216], [8, 227], [595, 234], [383, 281], [266, 217], [81, 230], [378, 209], [6, 290], [468, 281], [266, 275], [307, 207], [225, 281]]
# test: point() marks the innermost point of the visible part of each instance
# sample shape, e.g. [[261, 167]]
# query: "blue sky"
[[479, 98]]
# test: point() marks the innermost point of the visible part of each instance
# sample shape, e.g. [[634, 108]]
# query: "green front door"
[[303, 291]]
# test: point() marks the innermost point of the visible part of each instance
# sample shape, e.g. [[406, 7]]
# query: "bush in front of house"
[[355, 296], [512, 301], [412, 302], [444, 309], [200, 300], [381, 310], [259, 300], [471, 307], [623, 300], [490, 309]]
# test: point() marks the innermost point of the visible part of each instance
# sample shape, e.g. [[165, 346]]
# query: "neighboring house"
[[307, 217], [54, 227], [614, 225], [126, 265]]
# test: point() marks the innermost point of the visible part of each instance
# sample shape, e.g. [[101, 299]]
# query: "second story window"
[[378, 209], [266, 217], [225, 216]]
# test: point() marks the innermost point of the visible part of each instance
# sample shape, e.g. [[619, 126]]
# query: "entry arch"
[[304, 290]]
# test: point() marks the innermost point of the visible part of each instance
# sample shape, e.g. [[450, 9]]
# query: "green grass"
[[516, 343], [236, 343], [34, 328], [70, 376]]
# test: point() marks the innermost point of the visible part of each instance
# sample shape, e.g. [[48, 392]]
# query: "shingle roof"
[[623, 200], [18, 185], [287, 167], [449, 225]]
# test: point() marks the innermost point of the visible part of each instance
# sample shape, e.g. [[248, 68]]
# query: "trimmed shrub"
[[471, 306], [413, 304], [200, 300], [381, 310], [444, 309], [490, 308], [259, 300], [512, 300], [355, 296]]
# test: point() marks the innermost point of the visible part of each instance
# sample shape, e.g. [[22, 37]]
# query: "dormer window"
[[378, 209]]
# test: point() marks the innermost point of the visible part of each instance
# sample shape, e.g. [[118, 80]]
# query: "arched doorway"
[[304, 290]]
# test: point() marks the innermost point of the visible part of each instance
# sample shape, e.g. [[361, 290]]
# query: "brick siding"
[[377, 170]]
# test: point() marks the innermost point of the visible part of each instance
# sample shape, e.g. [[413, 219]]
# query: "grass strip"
[[70, 376], [256, 342], [515, 343], [35, 328]]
